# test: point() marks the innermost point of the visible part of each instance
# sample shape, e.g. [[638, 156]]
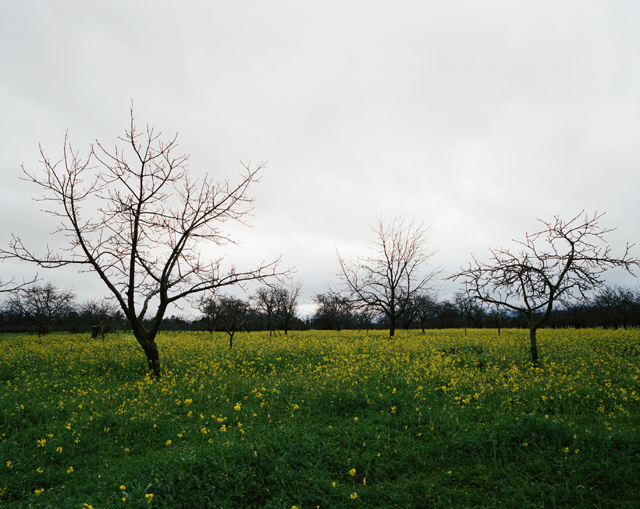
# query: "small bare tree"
[[231, 313], [425, 306], [563, 261], [386, 280], [101, 314], [278, 305], [265, 302], [287, 304], [334, 310], [141, 226]]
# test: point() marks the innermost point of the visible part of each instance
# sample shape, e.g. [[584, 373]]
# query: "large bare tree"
[[387, 278], [563, 261], [141, 223]]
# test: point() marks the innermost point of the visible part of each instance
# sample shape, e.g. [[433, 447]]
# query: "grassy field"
[[322, 419]]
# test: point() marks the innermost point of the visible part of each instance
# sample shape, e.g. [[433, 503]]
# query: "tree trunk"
[[392, 327], [151, 351], [534, 346]]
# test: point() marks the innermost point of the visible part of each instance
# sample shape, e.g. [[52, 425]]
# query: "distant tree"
[[141, 226], [175, 324], [265, 301], [364, 319], [207, 306], [615, 305], [444, 315], [287, 304], [43, 306], [386, 280], [498, 316], [278, 305], [470, 310], [426, 309], [101, 314], [228, 312], [334, 311], [563, 261]]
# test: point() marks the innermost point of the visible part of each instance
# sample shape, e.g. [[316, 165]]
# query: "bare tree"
[[229, 312], [563, 261], [498, 316], [141, 226], [287, 304], [386, 280], [265, 302], [334, 310], [469, 309], [278, 305], [615, 305], [101, 314], [207, 306], [41, 305], [425, 307]]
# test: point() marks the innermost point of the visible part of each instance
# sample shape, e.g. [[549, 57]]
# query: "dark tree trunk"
[[150, 348], [534, 346]]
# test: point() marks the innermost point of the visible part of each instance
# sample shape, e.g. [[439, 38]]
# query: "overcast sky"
[[476, 117]]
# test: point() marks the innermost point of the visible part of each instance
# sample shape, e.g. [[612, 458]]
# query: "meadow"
[[322, 419]]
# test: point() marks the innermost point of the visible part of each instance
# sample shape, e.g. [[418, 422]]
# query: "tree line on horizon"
[[45, 308]]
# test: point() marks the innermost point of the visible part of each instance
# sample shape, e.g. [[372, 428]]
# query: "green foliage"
[[329, 419]]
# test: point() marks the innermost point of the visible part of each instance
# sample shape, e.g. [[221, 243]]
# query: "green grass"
[[322, 419]]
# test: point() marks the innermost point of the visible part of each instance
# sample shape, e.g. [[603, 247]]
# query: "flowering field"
[[322, 419]]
